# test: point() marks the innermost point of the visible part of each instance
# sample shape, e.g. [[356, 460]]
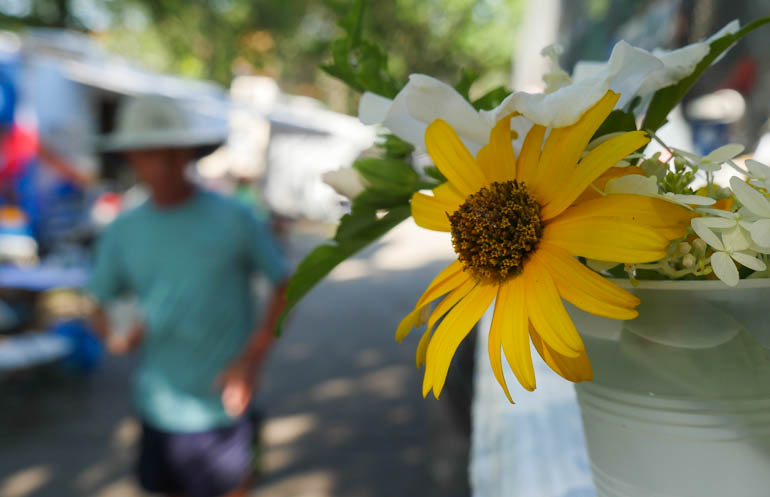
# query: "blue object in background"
[[87, 350], [709, 135], [7, 99]]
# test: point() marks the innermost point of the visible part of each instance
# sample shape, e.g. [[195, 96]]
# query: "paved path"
[[345, 414]]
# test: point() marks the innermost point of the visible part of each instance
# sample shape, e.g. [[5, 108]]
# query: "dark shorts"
[[204, 464]]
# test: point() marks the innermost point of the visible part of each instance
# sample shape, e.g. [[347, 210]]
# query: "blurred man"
[[189, 257]]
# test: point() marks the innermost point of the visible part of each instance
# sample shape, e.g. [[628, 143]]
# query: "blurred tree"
[[287, 39]]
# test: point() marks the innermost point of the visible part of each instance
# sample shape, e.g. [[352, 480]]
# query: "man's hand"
[[239, 380], [124, 343], [237, 383]]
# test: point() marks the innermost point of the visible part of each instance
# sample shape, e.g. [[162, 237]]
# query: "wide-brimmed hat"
[[151, 121]]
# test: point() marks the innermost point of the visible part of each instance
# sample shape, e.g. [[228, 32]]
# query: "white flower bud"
[[699, 246], [346, 181], [689, 261], [683, 248]]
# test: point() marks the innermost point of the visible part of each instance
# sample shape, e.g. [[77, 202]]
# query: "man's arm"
[[117, 344], [238, 380]]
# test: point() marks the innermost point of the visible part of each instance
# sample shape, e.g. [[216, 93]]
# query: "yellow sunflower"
[[517, 225]]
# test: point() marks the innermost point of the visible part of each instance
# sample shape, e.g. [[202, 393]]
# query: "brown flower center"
[[496, 230]]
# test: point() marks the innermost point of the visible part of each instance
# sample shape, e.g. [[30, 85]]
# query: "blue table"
[[41, 278]]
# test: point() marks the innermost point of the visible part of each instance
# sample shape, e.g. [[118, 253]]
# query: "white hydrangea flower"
[[648, 186], [759, 174], [733, 246], [756, 211], [713, 161]]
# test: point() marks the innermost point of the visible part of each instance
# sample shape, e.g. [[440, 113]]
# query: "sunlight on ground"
[[94, 474], [333, 389], [406, 247], [287, 429], [368, 358], [351, 270], [310, 484], [409, 247], [387, 383], [125, 487], [24, 482], [126, 434]]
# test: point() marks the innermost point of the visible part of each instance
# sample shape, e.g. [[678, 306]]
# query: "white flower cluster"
[[741, 236]]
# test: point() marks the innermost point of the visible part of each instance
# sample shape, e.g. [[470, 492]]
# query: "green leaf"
[[616, 121], [433, 172], [356, 221], [667, 98], [360, 64], [467, 78], [395, 147], [491, 99], [360, 228], [382, 199], [387, 174]]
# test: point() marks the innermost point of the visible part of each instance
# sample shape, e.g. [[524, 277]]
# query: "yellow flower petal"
[[526, 170], [601, 182], [496, 159], [607, 240], [546, 310], [412, 320], [452, 158], [574, 369], [450, 300], [494, 348], [447, 280], [422, 348], [431, 213], [513, 324], [649, 211], [451, 332], [585, 289], [449, 195], [590, 168], [564, 146]]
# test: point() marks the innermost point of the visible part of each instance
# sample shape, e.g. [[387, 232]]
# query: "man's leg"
[[153, 471], [214, 463]]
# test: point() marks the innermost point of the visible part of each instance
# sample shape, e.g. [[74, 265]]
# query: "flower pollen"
[[496, 230]]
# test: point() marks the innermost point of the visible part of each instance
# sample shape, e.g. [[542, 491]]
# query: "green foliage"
[[362, 65], [395, 148], [375, 211], [289, 39], [433, 172], [491, 99], [618, 120], [391, 183], [467, 78], [356, 230], [678, 182], [667, 98]]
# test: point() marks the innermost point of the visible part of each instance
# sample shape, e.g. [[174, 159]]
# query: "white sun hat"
[[152, 121]]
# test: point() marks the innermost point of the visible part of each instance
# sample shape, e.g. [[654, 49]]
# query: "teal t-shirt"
[[190, 267]]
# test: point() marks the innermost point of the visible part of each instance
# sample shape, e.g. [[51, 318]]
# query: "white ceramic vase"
[[680, 402]]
